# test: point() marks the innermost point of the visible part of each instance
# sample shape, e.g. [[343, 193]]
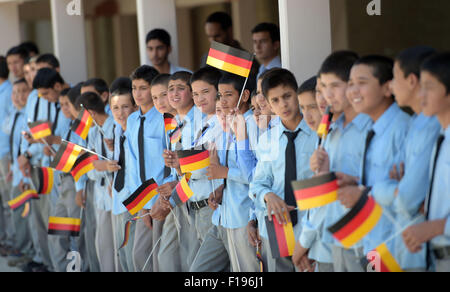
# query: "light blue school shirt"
[[17, 136], [102, 180], [5, 110], [270, 170], [154, 145], [275, 63], [390, 134], [119, 197], [439, 206]]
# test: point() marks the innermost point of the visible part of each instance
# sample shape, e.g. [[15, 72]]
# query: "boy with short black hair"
[[48, 61], [16, 58], [369, 92], [435, 101], [306, 94], [100, 87], [160, 96], [291, 145]]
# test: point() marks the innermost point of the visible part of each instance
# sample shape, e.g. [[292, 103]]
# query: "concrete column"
[[153, 14], [305, 35], [9, 26], [69, 39], [244, 20]]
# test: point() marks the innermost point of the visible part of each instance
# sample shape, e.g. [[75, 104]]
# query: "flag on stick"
[[23, 198], [182, 191], [66, 156], [82, 124], [192, 160], [40, 130], [316, 192], [46, 177], [141, 196], [64, 226], [281, 238], [229, 59], [83, 165]]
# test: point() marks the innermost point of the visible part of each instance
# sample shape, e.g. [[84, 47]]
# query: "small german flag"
[[64, 226], [141, 196], [192, 160], [83, 165], [175, 136], [358, 222], [384, 259], [170, 123], [26, 210], [230, 59], [182, 191], [281, 238], [40, 130], [45, 175], [126, 234], [82, 124], [324, 126], [66, 157], [23, 198], [316, 192]]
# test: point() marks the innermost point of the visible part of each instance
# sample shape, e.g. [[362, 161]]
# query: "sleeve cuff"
[[384, 192]]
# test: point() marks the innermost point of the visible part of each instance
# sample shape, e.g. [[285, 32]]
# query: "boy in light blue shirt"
[[369, 92], [435, 231]]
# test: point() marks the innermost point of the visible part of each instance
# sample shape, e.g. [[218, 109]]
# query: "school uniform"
[[231, 218], [270, 176], [143, 163], [104, 238], [119, 194], [345, 148], [437, 206], [422, 135], [179, 239], [6, 232], [63, 204], [22, 233], [388, 138]]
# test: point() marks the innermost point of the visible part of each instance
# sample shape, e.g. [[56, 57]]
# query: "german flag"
[[64, 226], [230, 59], [358, 222], [45, 175], [281, 238], [316, 192], [175, 136], [141, 196], [40, 130], [170, 123], [126, 234], [192, 160], [82, 124], [324, 126], [23, 198], [83, 165], [182, 191], [26, 210], [66, 157], [384, 259]]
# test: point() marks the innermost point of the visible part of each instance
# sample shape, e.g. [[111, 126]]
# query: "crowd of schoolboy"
[[389, 138]]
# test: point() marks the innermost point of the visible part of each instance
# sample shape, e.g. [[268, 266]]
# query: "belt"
[[64, 175], [441, 252], [198, 205]]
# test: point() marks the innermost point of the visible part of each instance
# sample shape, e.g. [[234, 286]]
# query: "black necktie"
[[49, 111], [36, 109], [428, 198], [141, 150], [11, 137], [55, 123], [369, 138], [102, 183], [290, 173], [120, 178]]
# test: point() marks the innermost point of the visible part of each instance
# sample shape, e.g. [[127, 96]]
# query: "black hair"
[[308, 86], [382, 67], [18, 50], [182, 75], [65, 92], [161, 79], [271, 28], [159, 34], [222, 18], [236, 81], [280, 77], [339, 63], [22, 80], [253, 94], [99, 84], [47, 78], [209, 75], [74, 94], [49, 59], [92, 101], [410, 59], [438, 65], [122, 84], [4, 70], [145, 72], [30, 47]]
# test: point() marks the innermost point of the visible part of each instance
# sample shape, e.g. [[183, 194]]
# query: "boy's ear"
[[105, 96], [245, 96], [57, 87], [413, 81], [387, 89]]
